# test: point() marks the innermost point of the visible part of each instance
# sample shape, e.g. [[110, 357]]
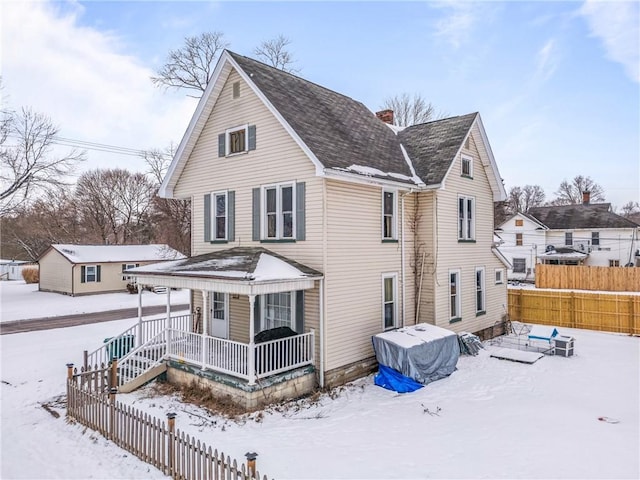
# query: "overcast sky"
[[557, 83]]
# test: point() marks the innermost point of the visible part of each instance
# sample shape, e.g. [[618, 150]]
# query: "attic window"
[[236, 90], [519, 222], [467, 166], [237, 140]]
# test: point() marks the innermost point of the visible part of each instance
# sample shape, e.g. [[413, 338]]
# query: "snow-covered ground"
[[20, 301], [489, 419]]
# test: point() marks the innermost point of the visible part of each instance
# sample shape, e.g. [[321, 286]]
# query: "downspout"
[[402, 272], [321, 332]]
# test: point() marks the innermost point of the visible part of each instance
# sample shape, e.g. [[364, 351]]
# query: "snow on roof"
[[408, 337], [254, 264], [117, 253], [374, 172]]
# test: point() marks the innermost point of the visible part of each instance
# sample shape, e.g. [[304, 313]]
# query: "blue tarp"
[[391, 379]]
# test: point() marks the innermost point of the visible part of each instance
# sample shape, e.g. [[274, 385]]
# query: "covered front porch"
[[255, 315]]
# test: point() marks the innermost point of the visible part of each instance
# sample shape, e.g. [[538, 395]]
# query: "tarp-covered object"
[[393, 380], [423, 352]]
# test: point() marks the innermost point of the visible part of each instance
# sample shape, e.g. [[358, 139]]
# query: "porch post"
[[139, 342], [251, 368], [205, 328], [167, 325]]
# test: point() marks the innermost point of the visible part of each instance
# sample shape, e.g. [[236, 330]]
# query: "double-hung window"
[[480, 291], [89, 273], [278, 310], [219, 212], [127, 266], [519, 265], [219, 216], [466, 218], [279, 211], [389, 302], [389, 222], [568, 239], [518, 239], [454, 296], [595, 239]]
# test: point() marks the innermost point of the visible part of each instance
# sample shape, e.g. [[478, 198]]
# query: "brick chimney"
[[386, 116], [586, 197]]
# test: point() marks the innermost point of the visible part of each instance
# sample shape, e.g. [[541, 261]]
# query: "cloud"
[[546, 61], [80, 78], [455, 27], [617, 25]]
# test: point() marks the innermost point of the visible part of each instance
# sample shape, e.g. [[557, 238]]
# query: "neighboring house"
[[85, 269], [522, 238], [584, 234], [312, 213], [12, 269]]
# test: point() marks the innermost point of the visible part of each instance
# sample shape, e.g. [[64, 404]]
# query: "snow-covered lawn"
[[489, 419], [20, 301]]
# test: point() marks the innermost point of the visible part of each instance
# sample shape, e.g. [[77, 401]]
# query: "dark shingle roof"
[[432, 146], [340, 131], [596, 215]]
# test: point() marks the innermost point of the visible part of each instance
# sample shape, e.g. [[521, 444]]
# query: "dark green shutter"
[[252, 137], [83, 274], [221, 146], [256, 316], [207, 217], [299, 326], [300, 211], [256, 215], [231, 216], [97, 273]]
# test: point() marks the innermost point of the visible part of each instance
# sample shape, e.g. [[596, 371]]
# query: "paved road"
[[46, 323]]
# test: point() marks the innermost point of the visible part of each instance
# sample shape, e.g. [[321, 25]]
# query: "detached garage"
[[87, 269]]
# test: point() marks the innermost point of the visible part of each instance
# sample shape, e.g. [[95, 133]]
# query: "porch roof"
[[239, 270], [563, 254]]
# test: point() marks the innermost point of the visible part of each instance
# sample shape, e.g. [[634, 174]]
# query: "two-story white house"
[[314, 217], [580, 234]]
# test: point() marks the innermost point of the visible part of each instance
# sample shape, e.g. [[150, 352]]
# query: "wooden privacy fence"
[[610, 279], [153, 441], [593, 311]]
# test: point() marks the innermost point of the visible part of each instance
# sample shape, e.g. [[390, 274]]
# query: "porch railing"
[[134, 336], [276, 356]]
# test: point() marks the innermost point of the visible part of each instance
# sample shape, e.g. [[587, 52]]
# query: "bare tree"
[[521, 199], [274, 52], [28, 165], [410, 110], [171, 216], [571, 192], [191, 66], [115, 204]]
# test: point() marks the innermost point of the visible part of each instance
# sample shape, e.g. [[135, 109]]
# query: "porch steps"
[[143, 378]]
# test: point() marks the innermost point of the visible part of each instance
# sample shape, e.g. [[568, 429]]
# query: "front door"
[[219, 315]]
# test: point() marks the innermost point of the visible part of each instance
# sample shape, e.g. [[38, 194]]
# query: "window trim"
[[482, 289], [458, 301], [127, 266], [292, 307], [227, 140], [466, 158], [95, 273], [568, 239], [470, 231], [214, 217], [524, 260], [279, 214], [499, 276], [394, 282], [394, 215]]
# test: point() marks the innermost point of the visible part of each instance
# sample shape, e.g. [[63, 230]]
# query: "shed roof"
[[116, 253]]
